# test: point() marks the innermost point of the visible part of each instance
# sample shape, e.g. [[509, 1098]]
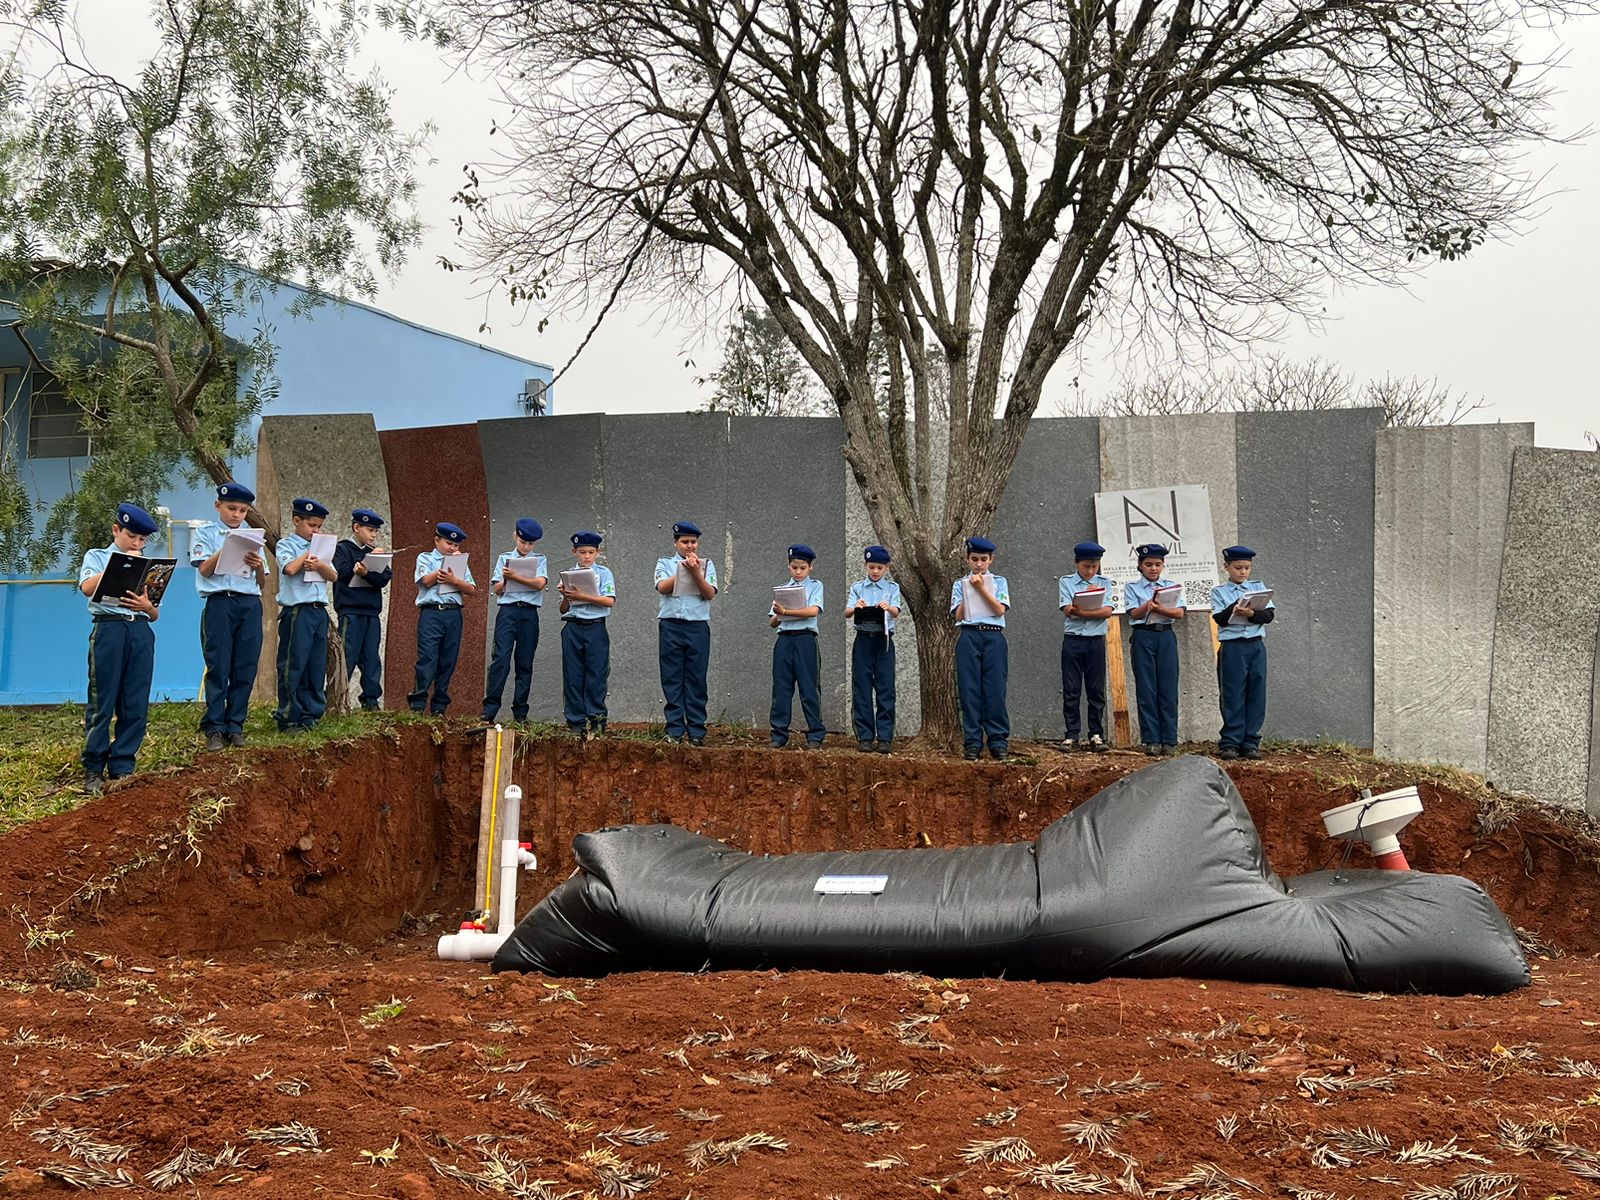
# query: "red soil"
[[317, 897]]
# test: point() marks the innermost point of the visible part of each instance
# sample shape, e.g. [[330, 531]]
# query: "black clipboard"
[[126, 573]]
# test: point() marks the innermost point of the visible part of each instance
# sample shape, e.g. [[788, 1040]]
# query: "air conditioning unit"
[[532, 397]]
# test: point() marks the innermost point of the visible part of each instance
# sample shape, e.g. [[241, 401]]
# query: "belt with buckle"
[[990, 628], [438, 607], [797, 633], [101, 618], [1153, 628]]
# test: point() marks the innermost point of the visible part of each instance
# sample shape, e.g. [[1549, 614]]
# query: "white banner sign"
[[1179, 518]]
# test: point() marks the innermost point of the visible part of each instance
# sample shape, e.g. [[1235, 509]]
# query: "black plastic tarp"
[[1160, 874]]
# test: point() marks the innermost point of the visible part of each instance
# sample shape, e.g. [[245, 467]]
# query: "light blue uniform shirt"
[[94, 562], [1140, 590], [207, 541], [870, 593], [1071, 585], [510, 597], [683, 608], [305, 588], [813, 596], [430, 561], [608, 587], [997, 588], [1225, 595]]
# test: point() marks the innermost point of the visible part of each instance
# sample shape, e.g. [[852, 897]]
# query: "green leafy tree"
[[144, 214], [981, 183], [762, 375]]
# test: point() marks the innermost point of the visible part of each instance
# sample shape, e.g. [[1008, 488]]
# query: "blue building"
[[333, 357]]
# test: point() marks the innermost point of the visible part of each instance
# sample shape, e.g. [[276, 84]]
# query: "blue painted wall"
[[333, 358]]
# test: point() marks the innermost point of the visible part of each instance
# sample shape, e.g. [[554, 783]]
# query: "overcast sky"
[[1515, 323]]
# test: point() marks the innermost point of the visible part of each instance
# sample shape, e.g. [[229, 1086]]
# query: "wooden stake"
[[1117, 677], [498, 745]]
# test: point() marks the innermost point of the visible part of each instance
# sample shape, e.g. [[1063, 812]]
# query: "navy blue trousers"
[[797, 665], [684, 649], [585, 671], [872, 674], [122, 659], [230, 641], [981, 669], [1155, 680], [1083, 672], [516, 637], [302, 665], [1242, 692], [362, 635], [438, 647]]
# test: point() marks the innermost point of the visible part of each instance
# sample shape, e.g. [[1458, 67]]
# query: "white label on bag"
[[851, 885]]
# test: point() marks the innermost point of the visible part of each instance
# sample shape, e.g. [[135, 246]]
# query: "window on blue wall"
[[55, 421]]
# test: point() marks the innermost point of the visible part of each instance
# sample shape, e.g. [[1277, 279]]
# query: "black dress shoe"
[[883, 747], [214, 741], [236, 739], [1252, 752], [865, 747], [1228, 755], [972, 755]]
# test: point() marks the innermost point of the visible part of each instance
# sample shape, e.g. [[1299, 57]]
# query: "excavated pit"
[[355, 842]]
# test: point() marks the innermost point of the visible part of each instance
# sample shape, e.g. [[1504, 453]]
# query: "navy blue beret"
[[235, 491], [1235, 553], [1150, 550], [304, 507], [586, 537], [685, 529], [449, 532], [365, 516], [878, 554], [529, 530], [135, 520], [1088, 550], [801, 550], [979, 545]]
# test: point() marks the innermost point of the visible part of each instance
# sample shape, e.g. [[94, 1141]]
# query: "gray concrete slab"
[[784, 486], [1306, 507], [1541, 691], [1048, 508], [1141, 452], [548, 468], [1440, 522], [335, 459], [656, 470]]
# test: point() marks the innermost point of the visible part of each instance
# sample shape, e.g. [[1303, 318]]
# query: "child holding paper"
[[230, 622], [1242, 619], [686, 584], [358, 601], [1153, 602], [585, 640], [306, 559], [873, 606], [443, 578], [1086, 604], [518, 583], [796, 655], [979, 601]]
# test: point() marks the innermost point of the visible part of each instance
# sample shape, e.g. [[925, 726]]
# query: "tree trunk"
[[936, 663]]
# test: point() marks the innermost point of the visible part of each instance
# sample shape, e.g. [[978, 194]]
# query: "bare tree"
[[979, 182], [1275, 384], [762, 375]]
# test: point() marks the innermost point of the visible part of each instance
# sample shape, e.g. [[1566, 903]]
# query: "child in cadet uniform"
[[1083, 646], [302, 622], [979, 601], [360, 609], [439, 600], [683, 633], [585, 641], [872, 654], [230, 622], [1153, 645], [1241, 657], [797, 656], [516, 622], [122, 656]]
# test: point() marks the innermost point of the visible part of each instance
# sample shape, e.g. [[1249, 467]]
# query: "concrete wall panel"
[[1306, 507], [1047, 509], [435, 475], [1541, 692], [335, 459], [550, 469], [1440, 522], [1141, 452]]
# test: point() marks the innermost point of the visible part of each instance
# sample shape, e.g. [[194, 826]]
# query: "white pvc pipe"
[[476, 945]]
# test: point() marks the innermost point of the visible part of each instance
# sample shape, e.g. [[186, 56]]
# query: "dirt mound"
[[352, 841]]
